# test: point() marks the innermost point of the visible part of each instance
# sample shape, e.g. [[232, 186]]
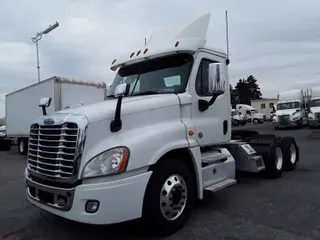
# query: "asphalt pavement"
[[255, 208]]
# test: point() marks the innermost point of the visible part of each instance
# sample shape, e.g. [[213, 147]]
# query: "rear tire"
[[22, 146], [5, 145], [290, 151], [169, 198], [255, 121]]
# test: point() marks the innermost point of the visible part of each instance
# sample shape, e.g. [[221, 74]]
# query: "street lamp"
[[38, 38]]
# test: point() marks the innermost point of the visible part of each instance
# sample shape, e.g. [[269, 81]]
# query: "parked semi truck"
[[251, 113], [238, 118], [314, 108], [161, 139], [5, 142], [22, 110], [290, 110]]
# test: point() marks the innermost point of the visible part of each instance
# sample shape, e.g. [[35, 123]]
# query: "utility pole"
[[37, 38]]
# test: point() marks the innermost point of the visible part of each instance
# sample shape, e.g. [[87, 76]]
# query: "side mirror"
[[45, 102], [122, 90], [216, 84], [217, 78]]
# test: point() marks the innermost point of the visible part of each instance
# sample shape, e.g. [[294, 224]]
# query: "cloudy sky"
[[277, 41]]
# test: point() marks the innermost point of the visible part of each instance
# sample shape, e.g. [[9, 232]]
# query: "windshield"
[[315, 103], [168, 74], [289, 105], [254, 111]]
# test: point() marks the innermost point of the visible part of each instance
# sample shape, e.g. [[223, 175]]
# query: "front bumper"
[[287, 124], [119, 200]]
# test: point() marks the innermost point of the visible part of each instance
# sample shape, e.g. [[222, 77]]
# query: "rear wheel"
[[255, 121], [290, 153], [22, 146], [170, 197], [5, 145]]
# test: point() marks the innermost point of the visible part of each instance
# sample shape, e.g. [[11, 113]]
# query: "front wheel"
[[170, 197], [255, 121], [22, 146]]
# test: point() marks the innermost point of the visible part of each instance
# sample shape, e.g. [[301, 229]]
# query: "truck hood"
[[286, 112], [103, 110], [315, 109]]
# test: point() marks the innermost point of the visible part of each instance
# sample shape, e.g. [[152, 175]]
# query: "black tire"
[[5, 145], [152, 211], [243, 123], [235, 123], [22, 146], [255, 121], [269, 148], [290, 152]]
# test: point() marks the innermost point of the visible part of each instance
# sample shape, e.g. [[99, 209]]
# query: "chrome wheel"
[[173, 197], [279, 158], [293, 153]]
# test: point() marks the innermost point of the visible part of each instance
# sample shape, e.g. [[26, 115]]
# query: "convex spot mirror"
[[217, 78], [45, 102]]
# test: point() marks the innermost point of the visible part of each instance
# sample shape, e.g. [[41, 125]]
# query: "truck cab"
[[314, 108], [154, 146], [238, 118], [251, 113], [290, 110]]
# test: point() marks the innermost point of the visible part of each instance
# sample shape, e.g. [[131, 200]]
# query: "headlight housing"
[[112, 161]]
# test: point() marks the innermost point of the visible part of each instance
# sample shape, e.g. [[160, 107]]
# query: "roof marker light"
[[138, 53], [114, 61], [145, 51], [131, 55], [177, 44]]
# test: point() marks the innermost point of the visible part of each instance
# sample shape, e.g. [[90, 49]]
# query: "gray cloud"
[[277, 41]]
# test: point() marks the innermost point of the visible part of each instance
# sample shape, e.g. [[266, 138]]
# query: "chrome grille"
[[284, 119], [317, 116], [52, 149]]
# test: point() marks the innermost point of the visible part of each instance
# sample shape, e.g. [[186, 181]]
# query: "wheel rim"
[[21, 146], [279, 158], [293, 153], [173, 197]]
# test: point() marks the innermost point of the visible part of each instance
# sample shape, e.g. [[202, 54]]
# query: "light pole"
[[38, 38]]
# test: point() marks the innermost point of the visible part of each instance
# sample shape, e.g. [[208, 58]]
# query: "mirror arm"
[[44, 110], [204, 104], [116, 124]]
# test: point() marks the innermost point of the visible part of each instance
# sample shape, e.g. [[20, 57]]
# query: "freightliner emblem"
[[48, 121]]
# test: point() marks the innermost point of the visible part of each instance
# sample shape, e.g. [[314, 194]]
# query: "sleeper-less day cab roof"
[[168, 40]]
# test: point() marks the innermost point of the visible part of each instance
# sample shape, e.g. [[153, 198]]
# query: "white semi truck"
[[21, 105], [160, 140], [290, 110], [314, 108], [251, 113]]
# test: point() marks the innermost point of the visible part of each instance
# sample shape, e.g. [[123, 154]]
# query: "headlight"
[[294, 118], [113, 161]]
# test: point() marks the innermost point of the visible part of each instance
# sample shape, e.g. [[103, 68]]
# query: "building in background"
[[264, 105], [2, 121]]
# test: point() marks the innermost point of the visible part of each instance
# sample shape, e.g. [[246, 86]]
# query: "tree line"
[[244, 91]]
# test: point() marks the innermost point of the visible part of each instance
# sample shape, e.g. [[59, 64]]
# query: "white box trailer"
[[22, 106]]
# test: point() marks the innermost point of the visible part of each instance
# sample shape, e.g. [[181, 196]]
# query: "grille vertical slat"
[[52, 149]]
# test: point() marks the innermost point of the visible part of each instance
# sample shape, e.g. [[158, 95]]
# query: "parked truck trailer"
[[161, 139], [22, 105]]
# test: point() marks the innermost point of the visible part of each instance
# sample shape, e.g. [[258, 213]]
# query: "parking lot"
[[255, 208]]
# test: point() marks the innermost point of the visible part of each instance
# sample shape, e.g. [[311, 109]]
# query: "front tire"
[[170, 197], [255, 121]]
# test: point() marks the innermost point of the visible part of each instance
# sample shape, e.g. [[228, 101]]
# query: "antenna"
[[227, 38], [145, 42]]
